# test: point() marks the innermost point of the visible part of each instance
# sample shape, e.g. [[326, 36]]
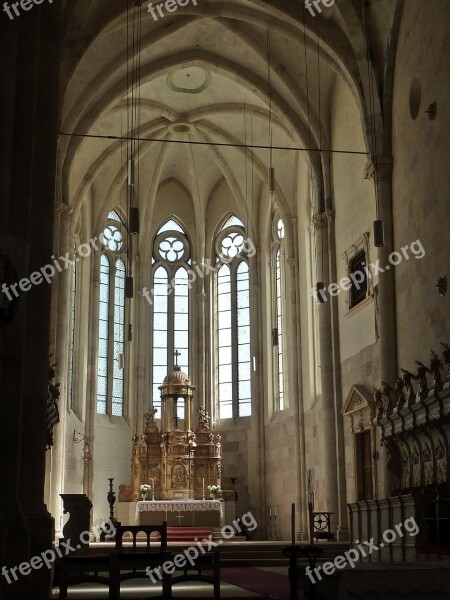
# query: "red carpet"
[[269, 585]]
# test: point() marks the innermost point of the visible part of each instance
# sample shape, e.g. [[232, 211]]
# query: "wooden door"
[[364, 465]]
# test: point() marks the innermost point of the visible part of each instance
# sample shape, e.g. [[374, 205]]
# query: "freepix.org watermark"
[[317, 3], [190, 555], [368, 272], [47, 272], [169, 6], [352, 556], [25, 5], [48, 557], [200, 270]]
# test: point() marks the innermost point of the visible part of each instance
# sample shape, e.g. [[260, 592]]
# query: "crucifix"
[[179, 517], [177, 353]]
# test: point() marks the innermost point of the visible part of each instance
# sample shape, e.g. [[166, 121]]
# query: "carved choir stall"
[[413, 420], [176, 461]]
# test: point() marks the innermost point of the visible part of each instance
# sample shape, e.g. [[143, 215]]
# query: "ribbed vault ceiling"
[[204, 77]]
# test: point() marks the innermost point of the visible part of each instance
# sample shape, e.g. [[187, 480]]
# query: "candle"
[[275, 511], [203, 486], [270, 511], [293, 523]]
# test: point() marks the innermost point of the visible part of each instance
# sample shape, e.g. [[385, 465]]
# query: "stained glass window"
[[111, 321], [103, 337], [170, 306], [278, 325], [233, 348], [73, 325]]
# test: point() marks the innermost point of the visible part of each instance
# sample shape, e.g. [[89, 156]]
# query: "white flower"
[[145, 488], [214, 489]]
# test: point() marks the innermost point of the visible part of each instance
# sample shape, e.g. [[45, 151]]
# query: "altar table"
[[197, 513]]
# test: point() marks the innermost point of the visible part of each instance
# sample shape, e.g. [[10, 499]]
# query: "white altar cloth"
[[178, 506]]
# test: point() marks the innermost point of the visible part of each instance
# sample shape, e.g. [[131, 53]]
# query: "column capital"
[[64, 211], [384, 167], [323, 219], [292, 262]]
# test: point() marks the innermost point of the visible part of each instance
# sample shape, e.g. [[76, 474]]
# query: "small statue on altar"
[[204, 418], [150, 419]]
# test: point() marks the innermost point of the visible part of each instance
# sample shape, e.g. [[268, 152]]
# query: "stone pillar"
[[303, 529], [63, 293], [341, 490], [328, 413], [386, 299], [29, 80]]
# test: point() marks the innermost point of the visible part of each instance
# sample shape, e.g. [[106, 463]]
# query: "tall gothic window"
[[232, 317], [278, 315], [171, 305], [111, 333], [74, 324]]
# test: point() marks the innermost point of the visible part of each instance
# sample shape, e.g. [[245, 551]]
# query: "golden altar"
[[176, 461]]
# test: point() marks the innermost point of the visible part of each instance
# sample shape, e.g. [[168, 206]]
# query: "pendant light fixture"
[[134, 26], [271, 173]]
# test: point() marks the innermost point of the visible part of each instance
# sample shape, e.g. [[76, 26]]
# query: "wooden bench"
[[122, 563], [133, 562]]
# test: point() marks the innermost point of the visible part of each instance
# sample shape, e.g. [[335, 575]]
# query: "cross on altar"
[[177, 353], [179, 517]]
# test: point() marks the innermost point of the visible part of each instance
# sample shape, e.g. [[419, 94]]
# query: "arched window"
[[170, 305], [278, 315], [232, 318], [74, 324], [111, 331]]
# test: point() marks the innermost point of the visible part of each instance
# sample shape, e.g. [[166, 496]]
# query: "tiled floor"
[[139, 589]]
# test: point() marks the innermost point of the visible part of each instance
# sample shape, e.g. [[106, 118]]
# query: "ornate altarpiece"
[[179, 463]]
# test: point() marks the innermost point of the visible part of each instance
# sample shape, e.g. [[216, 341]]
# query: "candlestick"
[[153, 487], [293, 523], [203, 486]]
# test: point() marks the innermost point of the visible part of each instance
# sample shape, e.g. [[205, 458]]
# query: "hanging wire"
[[245, 166], [269, 95], [309, 133], [320, 139], [372, 120]]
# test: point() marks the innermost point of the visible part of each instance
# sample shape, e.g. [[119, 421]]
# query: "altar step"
[[188, 534], [180, 534]]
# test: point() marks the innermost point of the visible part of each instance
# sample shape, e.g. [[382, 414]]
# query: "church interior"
[[224, 257]]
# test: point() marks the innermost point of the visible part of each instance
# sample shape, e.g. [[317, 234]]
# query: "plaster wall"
[[111, 451], [421, 181]]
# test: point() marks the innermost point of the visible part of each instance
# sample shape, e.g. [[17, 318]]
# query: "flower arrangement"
[[145, 488], [214, 490]]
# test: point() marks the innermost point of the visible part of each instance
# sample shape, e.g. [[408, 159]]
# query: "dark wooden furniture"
[[83, 567], [321, 526], [132, 561], [206, 562]]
